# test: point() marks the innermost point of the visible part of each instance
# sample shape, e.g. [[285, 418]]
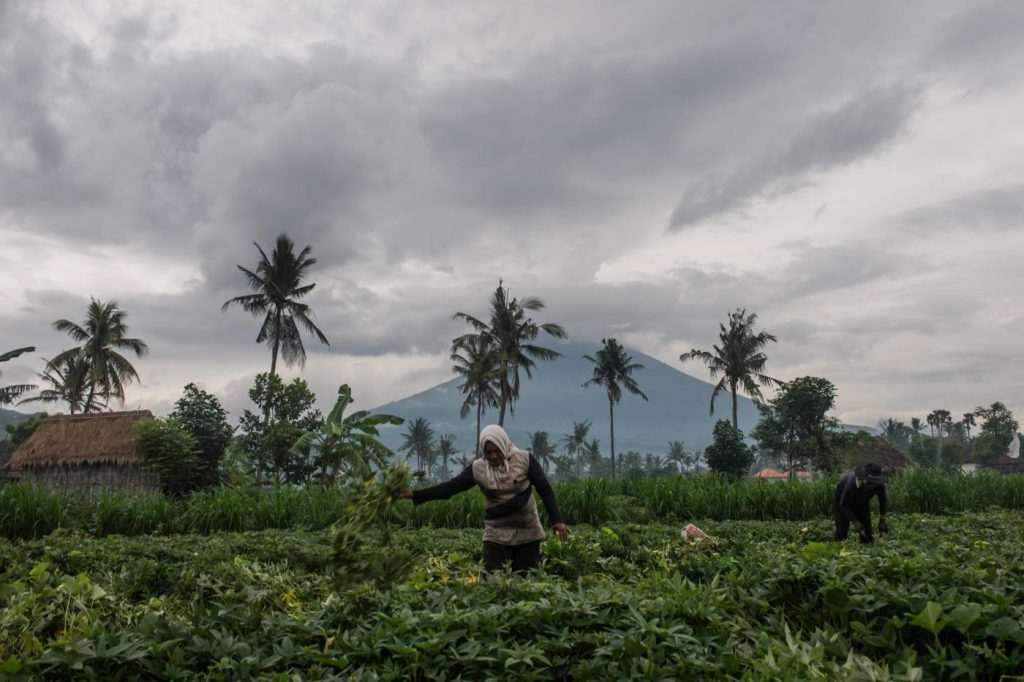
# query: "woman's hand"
[[561, 530], [405, 494]]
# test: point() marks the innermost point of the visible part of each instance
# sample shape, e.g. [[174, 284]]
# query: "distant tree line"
[[285, 440]]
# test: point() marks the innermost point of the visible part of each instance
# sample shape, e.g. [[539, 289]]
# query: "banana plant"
[[8, 394], [347, 445]]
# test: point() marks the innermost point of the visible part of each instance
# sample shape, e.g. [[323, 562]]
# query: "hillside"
[[9, 417], [555, 398]]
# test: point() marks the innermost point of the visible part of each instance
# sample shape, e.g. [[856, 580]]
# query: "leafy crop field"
[[939, 598]]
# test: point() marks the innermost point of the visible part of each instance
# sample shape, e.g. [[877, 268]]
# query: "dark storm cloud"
[[861, 127], [419, 182], [556, 132], [33, 143], [209, 151]]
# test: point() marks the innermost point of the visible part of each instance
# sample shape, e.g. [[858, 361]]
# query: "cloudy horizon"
[[851, 172]]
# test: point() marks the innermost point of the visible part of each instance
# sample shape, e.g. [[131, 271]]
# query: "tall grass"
[[28, 512]]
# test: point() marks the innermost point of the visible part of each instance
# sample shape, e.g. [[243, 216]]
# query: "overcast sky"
[[852, 172]]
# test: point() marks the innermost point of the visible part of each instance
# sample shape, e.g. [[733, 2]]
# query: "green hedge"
[[27, 512]]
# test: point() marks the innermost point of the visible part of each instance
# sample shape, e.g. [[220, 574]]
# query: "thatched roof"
[[874, 449], [98, 438]]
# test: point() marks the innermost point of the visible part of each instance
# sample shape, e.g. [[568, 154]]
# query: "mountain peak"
[[555, 398]]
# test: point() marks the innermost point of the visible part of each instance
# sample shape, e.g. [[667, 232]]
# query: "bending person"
[[852, 502], [507, 476]]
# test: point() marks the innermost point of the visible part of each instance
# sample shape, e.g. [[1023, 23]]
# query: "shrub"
[[171, 452]]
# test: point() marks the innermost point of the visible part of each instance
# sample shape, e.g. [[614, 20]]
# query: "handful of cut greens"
[[364, 549]]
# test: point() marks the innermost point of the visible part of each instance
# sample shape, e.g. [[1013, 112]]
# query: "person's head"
[[870, 476], [495, 444]]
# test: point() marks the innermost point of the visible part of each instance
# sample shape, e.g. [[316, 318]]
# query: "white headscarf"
[[498, 474]]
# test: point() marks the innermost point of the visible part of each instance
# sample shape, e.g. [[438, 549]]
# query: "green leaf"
[[10, 666], [962, 617], [1005, 628], [929, 618], [816, 550]]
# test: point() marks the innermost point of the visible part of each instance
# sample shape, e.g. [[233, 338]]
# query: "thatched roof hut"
[[77, 439], [86, 451], [877, 449]]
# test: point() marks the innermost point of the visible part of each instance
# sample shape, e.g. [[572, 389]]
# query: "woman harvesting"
[[507, 476]]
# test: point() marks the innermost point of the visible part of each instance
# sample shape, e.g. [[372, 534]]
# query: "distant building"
[[86, 453], [769, 474], [1005, 464], [867, 449]]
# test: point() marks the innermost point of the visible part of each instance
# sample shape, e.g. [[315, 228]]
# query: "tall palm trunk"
[[735, 420], [611, 421], [506, 392], [277, 341], [479, 414]]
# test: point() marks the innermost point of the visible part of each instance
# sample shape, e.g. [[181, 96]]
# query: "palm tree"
[[613, 369], [933, 420], [564, 466], [8, 394], [652, 463], [968, 423], [592, 451], [478, 367], [418, 440], [68, 383], [895, 432], [278, 286], [632, 461], [916, 424], [943, 420], [541, 448], [445, 448], [510, 335], [739, 360], [677, 453], [102, 334], [430, 456], [575, 441]]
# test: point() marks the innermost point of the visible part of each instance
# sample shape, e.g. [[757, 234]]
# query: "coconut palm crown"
[[278, 283], [739, 360]]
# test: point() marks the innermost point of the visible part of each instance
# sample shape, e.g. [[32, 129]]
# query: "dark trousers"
[[523, 557], [843, 523]]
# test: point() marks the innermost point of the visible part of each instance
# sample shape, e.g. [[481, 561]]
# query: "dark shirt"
[[464, 481], [851, 498]]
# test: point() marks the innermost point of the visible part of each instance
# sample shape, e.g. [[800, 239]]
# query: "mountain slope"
[[555, 398], [10, 417]]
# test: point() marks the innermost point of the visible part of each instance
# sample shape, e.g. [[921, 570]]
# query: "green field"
[[942, 597]]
